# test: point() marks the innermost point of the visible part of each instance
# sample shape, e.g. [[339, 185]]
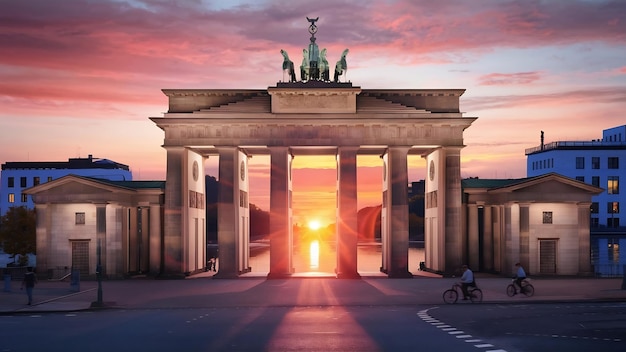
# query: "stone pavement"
[[201, 291]]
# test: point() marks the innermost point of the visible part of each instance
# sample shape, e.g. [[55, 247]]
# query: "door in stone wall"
[[547, 256], [80, 257]]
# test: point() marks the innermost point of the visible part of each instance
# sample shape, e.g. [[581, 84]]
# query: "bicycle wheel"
[[510, 290], [476, 295], [450, 296], [528, 290]]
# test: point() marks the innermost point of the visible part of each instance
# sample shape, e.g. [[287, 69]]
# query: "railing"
[[569, 144]]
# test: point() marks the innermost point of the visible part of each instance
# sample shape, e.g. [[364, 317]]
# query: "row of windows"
[[612, 183], [610, 222], [12, 198], [543, 164], [611, 207], [612, 162], [23, 181]]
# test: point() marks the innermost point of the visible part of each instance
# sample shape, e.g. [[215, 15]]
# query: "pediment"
[[549, 184], [550, 187], [73, 184]]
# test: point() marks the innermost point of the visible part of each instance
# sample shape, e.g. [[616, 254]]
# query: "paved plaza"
[[202, 291]]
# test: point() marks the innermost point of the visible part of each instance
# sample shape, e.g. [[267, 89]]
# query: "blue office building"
[[17, 176], [599, 162]]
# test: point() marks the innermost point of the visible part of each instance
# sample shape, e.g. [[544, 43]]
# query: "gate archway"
[[310, 118]]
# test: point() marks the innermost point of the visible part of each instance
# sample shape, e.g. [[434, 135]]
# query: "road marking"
[[423, 314], [554, 336]]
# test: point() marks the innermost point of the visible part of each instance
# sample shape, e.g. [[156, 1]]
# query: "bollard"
[[7, 282], [75, 281]]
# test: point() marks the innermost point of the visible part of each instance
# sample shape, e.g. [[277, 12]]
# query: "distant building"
[[83, 219], [541, 222], [600, 162], [19, 175]]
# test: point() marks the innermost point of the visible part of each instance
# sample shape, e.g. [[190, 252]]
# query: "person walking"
[[30, 279], [520, 275]]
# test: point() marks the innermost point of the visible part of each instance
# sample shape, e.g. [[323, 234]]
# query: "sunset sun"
[[314, 225]]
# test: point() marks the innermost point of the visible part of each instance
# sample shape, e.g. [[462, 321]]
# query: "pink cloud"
[[504, 79], [606, 95]]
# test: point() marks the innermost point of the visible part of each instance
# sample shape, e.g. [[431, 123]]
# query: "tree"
[[259, 223], [17, 231]]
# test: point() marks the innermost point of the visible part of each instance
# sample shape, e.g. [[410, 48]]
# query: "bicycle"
[[527, 288], [451, 295]]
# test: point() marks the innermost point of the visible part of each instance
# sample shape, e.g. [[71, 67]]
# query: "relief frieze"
[[311, 134]]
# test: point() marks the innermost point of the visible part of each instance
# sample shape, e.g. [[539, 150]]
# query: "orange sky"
[[81, 77]]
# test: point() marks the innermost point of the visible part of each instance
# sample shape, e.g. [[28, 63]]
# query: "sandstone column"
[[281, 241], [524, 235], [584, 245], [473, 251], [452, 200], [155, 239], [487, 239], [173, 214], [398, 213], [227, 202], [347, 232]]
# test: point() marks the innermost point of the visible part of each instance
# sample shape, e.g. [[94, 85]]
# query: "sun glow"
[[314, 252], [314, 225]]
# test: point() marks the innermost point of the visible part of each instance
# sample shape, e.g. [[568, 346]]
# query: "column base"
[[278, 276], [222, 275], [401, 274], [350, 275]]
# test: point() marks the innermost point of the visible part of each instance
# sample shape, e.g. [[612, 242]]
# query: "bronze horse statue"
[[288, 66], [342, 66]]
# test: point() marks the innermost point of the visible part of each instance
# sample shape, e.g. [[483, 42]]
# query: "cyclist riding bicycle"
[[467, 280], [520, 276]]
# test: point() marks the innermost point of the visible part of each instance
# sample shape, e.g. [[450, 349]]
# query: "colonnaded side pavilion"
[[313, 116]]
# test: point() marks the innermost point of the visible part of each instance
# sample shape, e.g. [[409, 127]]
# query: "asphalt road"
[[459, 327], [546, 327]]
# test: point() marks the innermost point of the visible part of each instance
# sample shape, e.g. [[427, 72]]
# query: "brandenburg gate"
[[315, 116]]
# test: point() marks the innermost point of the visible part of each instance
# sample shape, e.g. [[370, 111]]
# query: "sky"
[[80, 77]]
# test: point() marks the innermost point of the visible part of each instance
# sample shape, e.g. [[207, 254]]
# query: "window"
[[613, 185], [595, 223], [49, 178], [595, 180], [595, 162], [11, 198], [613, 163], [612, 207], [595, 207], [24, 198], [547, 217], [80, 218], [36, 181], [11, 182], [580, 162], [612, 222], [580, 178], [22, 182]]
